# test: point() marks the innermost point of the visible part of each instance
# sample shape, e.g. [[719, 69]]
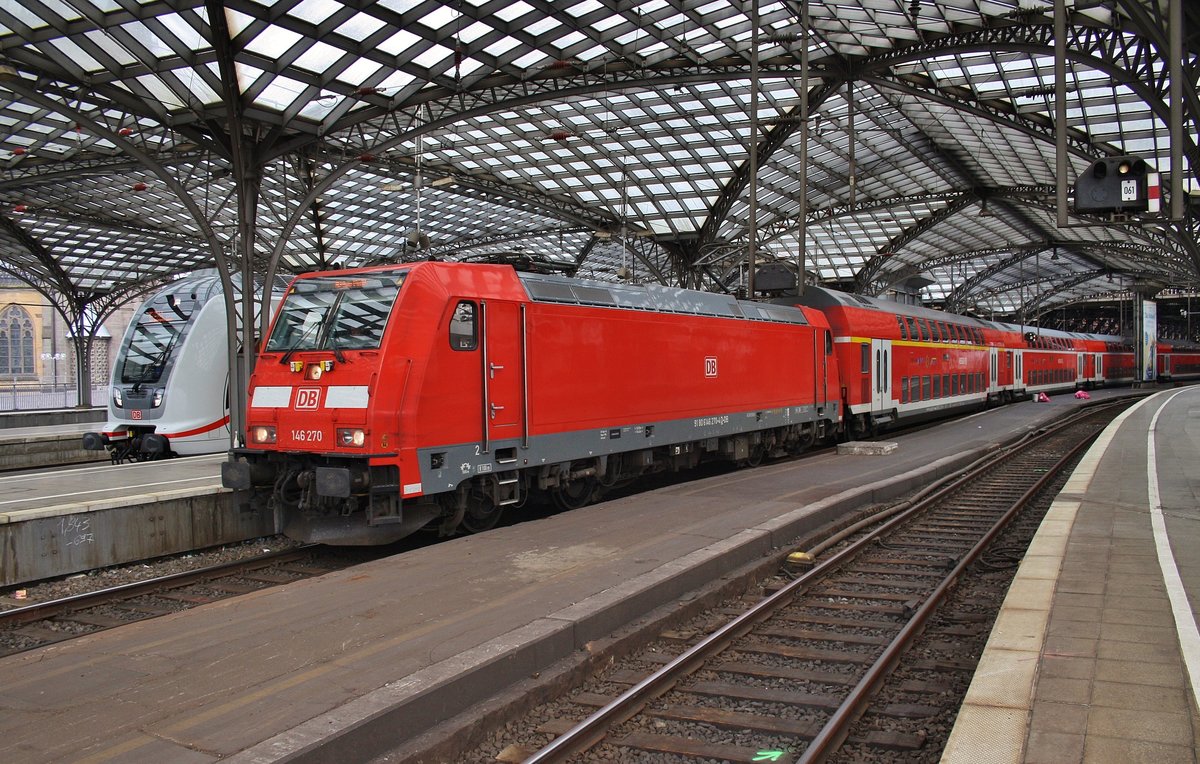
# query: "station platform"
[[1096, 655], [56, 522], [37, 418], [408, 651], [46, 445]]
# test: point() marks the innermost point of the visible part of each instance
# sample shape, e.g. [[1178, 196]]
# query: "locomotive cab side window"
[[464, 326]]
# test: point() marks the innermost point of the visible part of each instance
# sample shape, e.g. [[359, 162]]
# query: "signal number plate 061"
[[306, 436]]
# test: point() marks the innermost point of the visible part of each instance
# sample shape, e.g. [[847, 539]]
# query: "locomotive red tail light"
[[262, 434], [351, 437]]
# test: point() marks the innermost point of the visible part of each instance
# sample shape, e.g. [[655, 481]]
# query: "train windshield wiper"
[[287, 355], [337, 350], [322, 329]]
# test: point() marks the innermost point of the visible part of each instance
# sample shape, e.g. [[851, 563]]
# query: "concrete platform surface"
[[1096, 654]]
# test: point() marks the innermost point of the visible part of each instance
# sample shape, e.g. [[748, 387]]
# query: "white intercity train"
[[168, 394]]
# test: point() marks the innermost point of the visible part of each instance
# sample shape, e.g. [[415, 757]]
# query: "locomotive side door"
[[881, 373], [504, 404]]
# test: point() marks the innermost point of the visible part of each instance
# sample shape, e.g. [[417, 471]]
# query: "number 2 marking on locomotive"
[[710, 366]]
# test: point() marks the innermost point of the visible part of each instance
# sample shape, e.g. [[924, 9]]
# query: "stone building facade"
[[36, 351]]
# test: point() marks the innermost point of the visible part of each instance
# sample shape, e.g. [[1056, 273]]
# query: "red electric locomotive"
[[438, 394]]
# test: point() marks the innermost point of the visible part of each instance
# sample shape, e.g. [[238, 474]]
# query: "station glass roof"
[[643, 141]]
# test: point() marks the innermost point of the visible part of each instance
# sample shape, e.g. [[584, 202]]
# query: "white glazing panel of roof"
[[981, 148], [661, 155]]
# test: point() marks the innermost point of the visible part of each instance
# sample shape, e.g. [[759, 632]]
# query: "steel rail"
[[836, 729], [44, 610], [592, 729]]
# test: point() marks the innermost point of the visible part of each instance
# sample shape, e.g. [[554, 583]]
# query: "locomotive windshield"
[[152, 338], [335, 313]]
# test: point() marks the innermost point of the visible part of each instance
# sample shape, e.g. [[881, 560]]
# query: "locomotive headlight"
[[118, 399], [351, 437], [158, 396], [263, 433]]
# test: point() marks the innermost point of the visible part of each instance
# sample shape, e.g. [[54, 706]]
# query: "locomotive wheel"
[[574, 494], [807, 439], [481, 515], [756, 456]]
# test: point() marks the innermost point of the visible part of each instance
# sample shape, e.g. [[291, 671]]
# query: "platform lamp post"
[[752, 221], [802, 234]]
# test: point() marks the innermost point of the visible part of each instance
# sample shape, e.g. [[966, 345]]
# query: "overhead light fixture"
[[7, 70], [442, 181]]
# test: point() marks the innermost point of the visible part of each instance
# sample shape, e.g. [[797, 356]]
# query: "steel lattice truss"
[[144, 138]]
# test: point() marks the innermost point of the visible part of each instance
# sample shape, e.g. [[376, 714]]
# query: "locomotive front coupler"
[[342, 482], [241, 474]]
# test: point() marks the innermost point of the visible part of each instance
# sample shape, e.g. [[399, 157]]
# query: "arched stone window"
[[16, 342]]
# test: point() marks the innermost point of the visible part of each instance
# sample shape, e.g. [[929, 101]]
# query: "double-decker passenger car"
[[168, 391], [906, 363]]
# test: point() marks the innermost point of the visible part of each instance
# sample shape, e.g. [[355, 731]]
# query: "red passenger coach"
[[1178, 361], [438, 394], [906, 363]]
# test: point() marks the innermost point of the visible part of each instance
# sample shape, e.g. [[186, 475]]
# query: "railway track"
[[37, 625], [786, 680]]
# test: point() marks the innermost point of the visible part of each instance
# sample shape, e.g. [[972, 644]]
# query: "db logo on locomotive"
[[308, 397]]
